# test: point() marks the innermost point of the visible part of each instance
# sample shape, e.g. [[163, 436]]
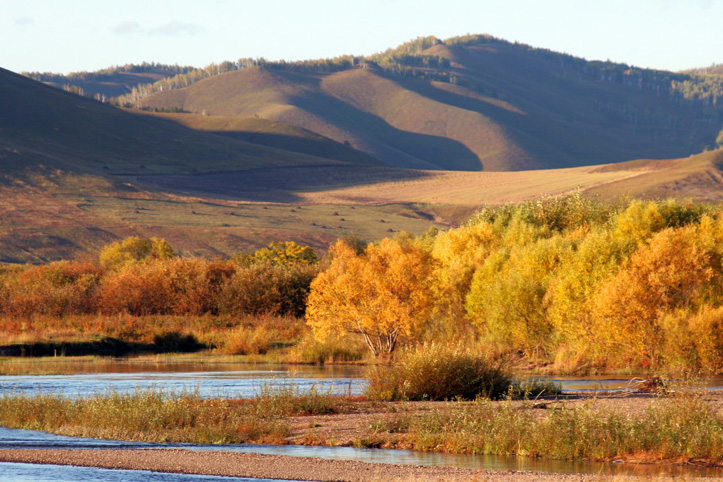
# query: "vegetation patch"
[[157, 416], [144, 415], [683, 427], [436, 372]]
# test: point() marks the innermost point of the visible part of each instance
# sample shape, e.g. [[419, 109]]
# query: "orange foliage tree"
[[381, 294], [668, 273]]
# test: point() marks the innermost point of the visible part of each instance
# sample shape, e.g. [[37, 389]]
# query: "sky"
[[84, 35]]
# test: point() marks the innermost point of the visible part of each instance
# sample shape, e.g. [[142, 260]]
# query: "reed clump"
[[683, 427], [145, 415], [437, 372], [157, 416]]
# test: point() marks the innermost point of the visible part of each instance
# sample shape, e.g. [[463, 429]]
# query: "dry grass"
[[51, 216], [222, 335]]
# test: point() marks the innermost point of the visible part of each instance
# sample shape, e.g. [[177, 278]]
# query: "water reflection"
[[12, 438], [65, 473], [208, 381]]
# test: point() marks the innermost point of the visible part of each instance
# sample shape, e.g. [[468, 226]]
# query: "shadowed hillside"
[[111, 82], [42, 125], [272, 134], [471, 103]]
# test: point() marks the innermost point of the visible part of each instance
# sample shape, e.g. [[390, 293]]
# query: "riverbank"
[[682, 427], [274, 466]]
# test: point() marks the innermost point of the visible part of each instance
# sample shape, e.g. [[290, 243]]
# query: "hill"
[[472, 103], [272, 134], [312, 151], [110, 82], [42, 125]]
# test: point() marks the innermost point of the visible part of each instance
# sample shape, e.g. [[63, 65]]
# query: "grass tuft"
[[684, 427], [435, 372]]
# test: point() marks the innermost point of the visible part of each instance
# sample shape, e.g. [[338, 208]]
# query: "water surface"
[[206, 380], [13, 438], [65, 473]]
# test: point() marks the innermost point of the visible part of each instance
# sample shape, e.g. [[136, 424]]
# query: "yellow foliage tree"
[[285, 253], [507, 298], [593, 261], [668, 273], [133, 250], [382, 294]]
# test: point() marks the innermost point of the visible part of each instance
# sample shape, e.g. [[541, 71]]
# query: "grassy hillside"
[[473, 103], [697, 177], [273, 134], [304, 153], [42, 125], [51, 215], [110, 82]]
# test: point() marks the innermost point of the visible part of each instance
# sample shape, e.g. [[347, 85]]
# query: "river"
[[234, 380]]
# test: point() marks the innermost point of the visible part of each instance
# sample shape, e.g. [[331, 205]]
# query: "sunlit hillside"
[[474, 103]]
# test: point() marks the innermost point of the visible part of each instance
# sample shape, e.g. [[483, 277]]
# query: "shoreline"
[[281, 467]]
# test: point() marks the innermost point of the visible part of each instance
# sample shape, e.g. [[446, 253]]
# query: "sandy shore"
[[270, 466], [342, 429]]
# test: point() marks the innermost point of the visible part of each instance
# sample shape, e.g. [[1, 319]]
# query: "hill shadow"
[[434, 152], [279, 184], [324, 148], [526, 131]]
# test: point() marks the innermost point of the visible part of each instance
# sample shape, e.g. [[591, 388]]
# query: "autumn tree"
[[459, 253], [281, 253], [507, 298], [382, 294], [669, 273], [134, 249]]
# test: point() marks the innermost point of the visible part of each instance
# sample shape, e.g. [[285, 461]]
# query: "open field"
[[50, 215]]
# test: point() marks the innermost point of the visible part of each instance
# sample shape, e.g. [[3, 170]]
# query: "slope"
[[277, 135], [42, 125], [474, 103], [110, 82], [698, 177]]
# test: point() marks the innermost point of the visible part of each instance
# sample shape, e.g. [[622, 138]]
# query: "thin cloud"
[[127, 28], [24, 21], [177, 29]]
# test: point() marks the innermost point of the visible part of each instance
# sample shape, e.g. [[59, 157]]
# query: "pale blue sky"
[[74, 35]]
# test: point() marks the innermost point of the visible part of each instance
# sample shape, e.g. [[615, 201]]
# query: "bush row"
[[174, 286]]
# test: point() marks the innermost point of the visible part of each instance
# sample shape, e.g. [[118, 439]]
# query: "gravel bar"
[[270, 466]]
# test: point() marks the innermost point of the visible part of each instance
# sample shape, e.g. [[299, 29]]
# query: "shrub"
[[134, 250], [57, 289], [265, 288], [248, 341], [176, 286], [434, 372], [137, 290], [334, 349]]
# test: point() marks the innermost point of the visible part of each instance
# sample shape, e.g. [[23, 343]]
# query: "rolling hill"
[[476, 103], [43, 125], [310, 152], [110, 82]]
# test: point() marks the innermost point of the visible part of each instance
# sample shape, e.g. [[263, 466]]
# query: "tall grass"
[[683, 427], [241, 334], [436, 372], [145, 415], [155, 416]]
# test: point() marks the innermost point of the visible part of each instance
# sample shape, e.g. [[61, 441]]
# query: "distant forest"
[[702, 86]]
